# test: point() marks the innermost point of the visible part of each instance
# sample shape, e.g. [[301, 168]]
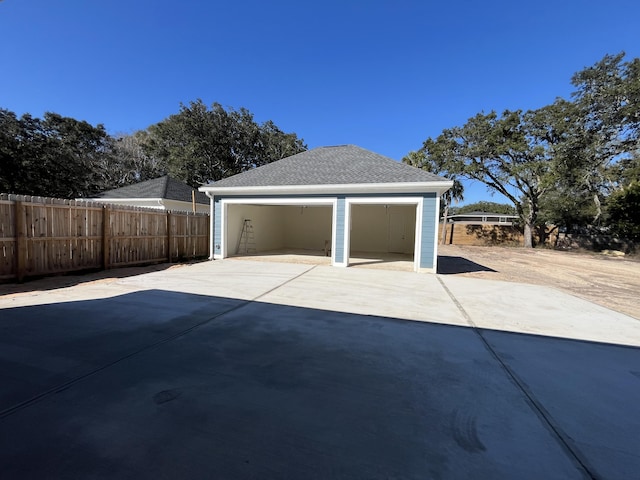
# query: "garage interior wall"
[[278, 227], [383, 228], [307, 227], [267, 226]]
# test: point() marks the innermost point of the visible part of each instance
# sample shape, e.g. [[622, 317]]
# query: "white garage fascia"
[[417, 201], [225, 202], [438, 187]]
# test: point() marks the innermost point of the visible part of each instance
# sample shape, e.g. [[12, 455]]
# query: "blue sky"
[[381, 74]]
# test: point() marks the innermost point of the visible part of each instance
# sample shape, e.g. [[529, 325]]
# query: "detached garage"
[[336, 200]]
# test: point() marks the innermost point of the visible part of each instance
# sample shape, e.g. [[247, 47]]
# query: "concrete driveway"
[[241, 370]]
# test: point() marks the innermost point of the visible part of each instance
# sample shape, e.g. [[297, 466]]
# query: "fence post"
[[169, 236], [106, 237], [21, 239]]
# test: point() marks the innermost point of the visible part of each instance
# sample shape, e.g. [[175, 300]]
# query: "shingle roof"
[[162, 187], [340, 165]]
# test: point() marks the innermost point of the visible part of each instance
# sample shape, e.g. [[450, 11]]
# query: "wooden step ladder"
[[247, 242]]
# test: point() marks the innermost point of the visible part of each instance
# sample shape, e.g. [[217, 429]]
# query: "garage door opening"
[[382, 234], [300, 233]]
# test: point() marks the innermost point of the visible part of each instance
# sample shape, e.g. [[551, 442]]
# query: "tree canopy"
[[559, 163], [502, 151], [624, 211], [54, 156], [201, 144], [436, 165], [63, 157]]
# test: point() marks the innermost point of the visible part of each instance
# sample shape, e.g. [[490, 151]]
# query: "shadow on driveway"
[[64, 280], [158, 384], [450, 265]]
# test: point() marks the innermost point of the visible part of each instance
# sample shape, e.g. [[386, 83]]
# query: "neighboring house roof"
[[482, 217], [484, 214], [162, 187], [330, 166]]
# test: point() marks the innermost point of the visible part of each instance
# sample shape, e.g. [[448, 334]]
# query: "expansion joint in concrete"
[[282, 284], [537, 407]]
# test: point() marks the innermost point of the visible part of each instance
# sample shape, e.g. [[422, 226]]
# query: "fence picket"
[[46, 236]]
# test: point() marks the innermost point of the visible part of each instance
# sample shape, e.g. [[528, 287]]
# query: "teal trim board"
[[340, 228], [427, 246]]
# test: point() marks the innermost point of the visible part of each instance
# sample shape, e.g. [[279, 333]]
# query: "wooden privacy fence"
[[45, 236], [459, 233], [481, 235]]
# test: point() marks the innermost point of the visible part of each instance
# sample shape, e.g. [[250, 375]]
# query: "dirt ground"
[[608, 280]]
